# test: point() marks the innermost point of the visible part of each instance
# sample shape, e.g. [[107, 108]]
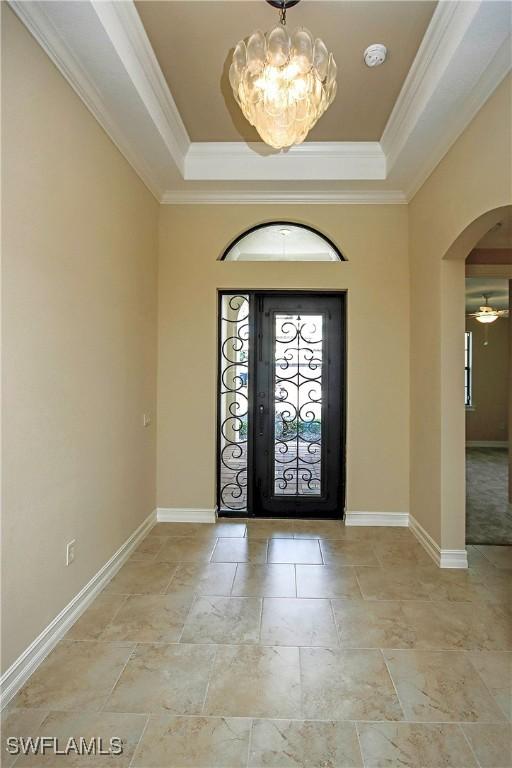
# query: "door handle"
[[261, 411]]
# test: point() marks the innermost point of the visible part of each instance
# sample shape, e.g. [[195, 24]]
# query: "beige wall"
[[473, 178], [79, 342], [374, 240], [488, 419]]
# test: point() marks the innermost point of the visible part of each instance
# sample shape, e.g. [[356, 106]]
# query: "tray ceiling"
[[194, 42], [156, 89]]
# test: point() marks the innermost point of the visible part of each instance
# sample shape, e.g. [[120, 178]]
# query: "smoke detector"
[[375, 55]]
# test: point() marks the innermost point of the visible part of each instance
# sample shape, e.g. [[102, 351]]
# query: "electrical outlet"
[[70, 551], [146, 420]]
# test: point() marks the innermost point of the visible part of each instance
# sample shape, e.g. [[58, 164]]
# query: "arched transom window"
[[282, 241]]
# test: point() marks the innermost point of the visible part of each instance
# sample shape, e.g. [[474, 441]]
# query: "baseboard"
[[19, 672], [184, 515], [486, 443], [400, 519], [444, 558]]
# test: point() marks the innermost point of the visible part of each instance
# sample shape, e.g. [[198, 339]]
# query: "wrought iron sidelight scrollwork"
[[234, 402]]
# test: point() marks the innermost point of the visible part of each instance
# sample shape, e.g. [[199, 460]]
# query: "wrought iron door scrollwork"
[[234, 403], [298, 404]]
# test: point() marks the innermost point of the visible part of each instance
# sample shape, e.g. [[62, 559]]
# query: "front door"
[[281, 448]]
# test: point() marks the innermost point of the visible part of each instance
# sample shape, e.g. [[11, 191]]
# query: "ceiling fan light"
[[487, 317], [283, 84]]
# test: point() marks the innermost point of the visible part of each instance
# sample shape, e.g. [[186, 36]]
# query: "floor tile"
[[472, 626], [344, 552], [327, 581], [18, 723], [491, 743], [187, 549], [193, 530], [194, 742], [141, 578], [401, 552], [164, 678], [88, 725], [149, 548], [500, 557], [454, 585], [204, 578], [293, 621], [440, 686], [223, 620], [93, 621], [422, 625], [383, 624], [226, 529], [319, 529], [270, 529], [495, 669], [392, 583], [75, 676], [347, 685], [274, 580], [150, 618], [499, 584], [240, 551], [294, 551], [304, 744], [414, 745], [255, 681]]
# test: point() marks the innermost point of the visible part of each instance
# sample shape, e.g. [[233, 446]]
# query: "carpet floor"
[[488, 513]]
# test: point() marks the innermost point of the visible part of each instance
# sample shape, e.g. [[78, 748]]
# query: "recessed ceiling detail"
[[200, 83], [123, 67]]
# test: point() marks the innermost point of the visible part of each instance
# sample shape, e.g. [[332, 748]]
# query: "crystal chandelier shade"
[[283, 83]]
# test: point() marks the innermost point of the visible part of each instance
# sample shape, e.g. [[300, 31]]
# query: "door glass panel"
[[298, 369], [234, 379]]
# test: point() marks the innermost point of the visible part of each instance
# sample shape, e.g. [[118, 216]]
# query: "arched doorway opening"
[[481, 518]]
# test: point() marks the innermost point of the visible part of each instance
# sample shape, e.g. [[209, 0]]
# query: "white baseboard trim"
[[486, 443], [444, 558], [19, 672], [400, 519], [184, 515]]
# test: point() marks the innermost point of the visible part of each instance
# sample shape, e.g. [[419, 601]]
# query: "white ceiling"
[[102, 48]]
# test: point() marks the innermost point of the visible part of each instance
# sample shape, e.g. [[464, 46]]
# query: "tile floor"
[[284, 645]]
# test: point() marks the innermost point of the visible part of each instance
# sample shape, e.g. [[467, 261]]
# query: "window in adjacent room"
[[468, 360]]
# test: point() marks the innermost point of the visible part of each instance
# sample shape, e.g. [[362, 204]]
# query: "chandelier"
[[283, 83]]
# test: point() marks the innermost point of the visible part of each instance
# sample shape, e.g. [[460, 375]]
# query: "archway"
[[453, 417]]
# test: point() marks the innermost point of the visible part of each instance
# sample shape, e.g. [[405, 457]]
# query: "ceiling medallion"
[[283, 83]]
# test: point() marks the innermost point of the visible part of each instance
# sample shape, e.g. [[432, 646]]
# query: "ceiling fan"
[[488, 314]]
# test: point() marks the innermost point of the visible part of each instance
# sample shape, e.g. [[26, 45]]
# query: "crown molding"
[[37, 20], [495, 73], [311, 161], [102, 49], [420, 80], [464, 55], [126, 32], [304, 197]]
